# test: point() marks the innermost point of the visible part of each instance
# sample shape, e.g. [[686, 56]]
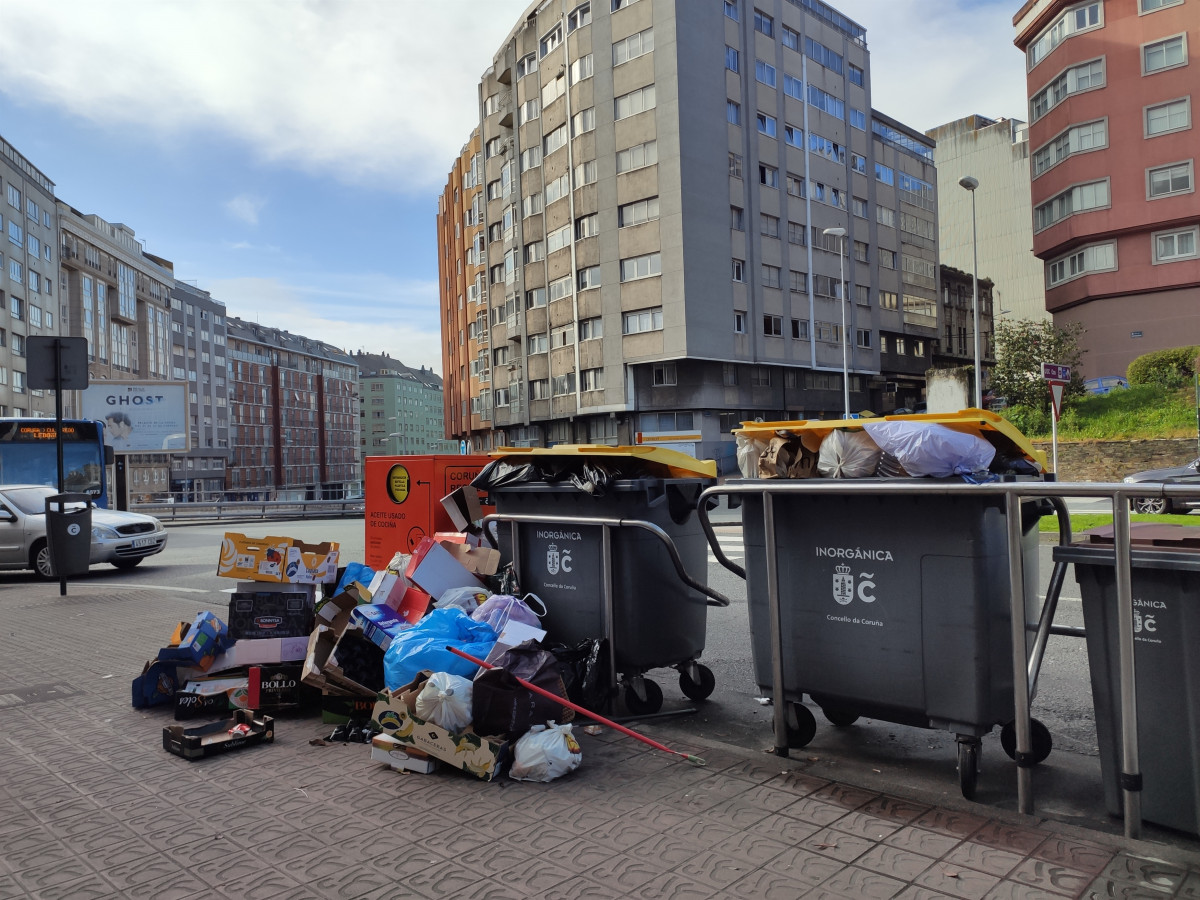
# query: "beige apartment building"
[[632, 243]]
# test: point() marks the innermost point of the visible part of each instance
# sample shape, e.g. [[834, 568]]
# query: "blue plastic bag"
[[355, 571], [424, 647]]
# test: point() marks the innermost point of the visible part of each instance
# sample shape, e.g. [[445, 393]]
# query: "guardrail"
[[1012, 493], [252, 510]]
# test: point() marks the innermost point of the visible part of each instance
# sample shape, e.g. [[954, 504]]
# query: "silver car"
[[121, 538]]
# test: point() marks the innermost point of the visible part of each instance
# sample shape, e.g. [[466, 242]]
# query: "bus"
[[28, 455]]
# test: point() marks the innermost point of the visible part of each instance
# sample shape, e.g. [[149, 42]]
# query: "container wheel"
[[968, 767], [639, 707], [839, 717], [801, 725], [1039, 733], [698, 689]]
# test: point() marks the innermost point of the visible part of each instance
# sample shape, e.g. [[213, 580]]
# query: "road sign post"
[[1057, 377]]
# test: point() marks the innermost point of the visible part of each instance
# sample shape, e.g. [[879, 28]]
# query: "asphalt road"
[[1067, 785]]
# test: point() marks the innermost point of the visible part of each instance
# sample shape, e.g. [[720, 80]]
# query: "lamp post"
[[970, 184], [841, 233]]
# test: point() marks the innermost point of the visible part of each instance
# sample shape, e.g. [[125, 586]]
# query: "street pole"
[[971, 184]]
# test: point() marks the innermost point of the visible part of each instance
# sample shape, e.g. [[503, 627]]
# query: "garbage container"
[[1165, 576], [658, 620], [69, 533], [893, 606]]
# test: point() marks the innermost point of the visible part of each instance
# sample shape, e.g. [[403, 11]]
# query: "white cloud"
[[245, 208], [370, 90]]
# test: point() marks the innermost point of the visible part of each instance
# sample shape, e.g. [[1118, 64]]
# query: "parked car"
[[991, 401], [1189, 474], [1105, 384], [121, 538]]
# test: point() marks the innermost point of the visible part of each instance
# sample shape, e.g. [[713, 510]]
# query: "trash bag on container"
[[468, 599], [503, 705], [424, 647], [499, 472], [593, 478], [445, 700], [848, 454], [547, 752], [926, 448], [748, 452], [501, 609], [584, 670]]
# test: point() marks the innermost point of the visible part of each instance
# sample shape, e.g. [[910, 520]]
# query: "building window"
[[1168, 117], [770, 276], [768, 176], [634, 46], [729, 374], [587, 226], [862, 338], [590, 329], [634, 102], [800, 329], [773, 326], [550, 40], [1146, 6], [589, 278], [737, 218], [1083, 77], [551, 142], [764, 24], [862, 251], [760, 376], [1077, 19], [1164, 54], [735, 165], [579, 16], [637, 157], [535, 298], [764, 73], [535, 252], [768, 225], [642, 320], [739, 324], [638, 267], [664, 374], [795, 186], [1077, 199], [591, 380], [1163, 181], [859, 205], [1077, 139], [731, 58], [1171, 246], [1096, 258], [581, 69], [798, 281], [731, 10], [856, 75], [766, 124], [733, 112], [583, 121], [739, 270], [538, 343], [527, 65], [887, 258], [637, 213], [796, 234]]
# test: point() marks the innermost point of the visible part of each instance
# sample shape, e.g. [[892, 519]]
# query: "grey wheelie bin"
[[894, 607], [658, 620], [1165, 581]]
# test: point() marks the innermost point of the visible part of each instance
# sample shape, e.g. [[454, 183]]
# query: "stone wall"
[[1113, 460]]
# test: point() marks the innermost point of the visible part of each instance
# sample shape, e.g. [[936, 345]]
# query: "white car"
[[121, 538]]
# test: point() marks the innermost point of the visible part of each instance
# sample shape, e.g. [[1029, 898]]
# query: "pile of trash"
[[974, 445], [434, 660]]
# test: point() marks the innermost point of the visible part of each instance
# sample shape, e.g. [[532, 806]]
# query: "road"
[[1067, 785]]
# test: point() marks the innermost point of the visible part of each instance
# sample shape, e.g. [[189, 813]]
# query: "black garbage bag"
[[499, 472], [594, 478], [584, 670], [502, 705]]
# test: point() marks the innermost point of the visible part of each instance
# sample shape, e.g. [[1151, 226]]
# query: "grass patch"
[[1084, 521], [1142, 411]]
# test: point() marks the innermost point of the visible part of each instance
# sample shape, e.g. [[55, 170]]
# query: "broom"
[[694, 760]]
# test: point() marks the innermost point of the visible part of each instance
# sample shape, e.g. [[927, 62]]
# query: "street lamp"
[[841, 233], [970, 184]]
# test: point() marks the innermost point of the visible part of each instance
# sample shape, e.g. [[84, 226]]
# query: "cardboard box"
[[278, 687], [280, 559], [157, 684], [261, 652], [245, 729], [335, 611], [435, 570], [320, 665], [198, 648], [211, 697], [480, 756], [338, 708], [480, 560], [401, 757], [379, 623], [463, 507], [264, 610]]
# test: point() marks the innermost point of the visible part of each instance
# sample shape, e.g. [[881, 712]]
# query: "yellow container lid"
[[660, 461], [995, 429]]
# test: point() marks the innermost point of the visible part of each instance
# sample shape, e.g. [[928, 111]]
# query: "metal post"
[[1130, 775], [975, 306], [777, 684], [845, 337], [1020, 658], [606, 595]]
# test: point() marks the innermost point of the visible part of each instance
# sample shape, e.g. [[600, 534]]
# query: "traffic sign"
[[1056, 395], [1055, 372]]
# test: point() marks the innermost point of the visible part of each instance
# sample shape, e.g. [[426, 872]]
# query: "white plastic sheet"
[[929, 449]]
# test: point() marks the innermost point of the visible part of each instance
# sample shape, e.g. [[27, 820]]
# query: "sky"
[[287, 155]]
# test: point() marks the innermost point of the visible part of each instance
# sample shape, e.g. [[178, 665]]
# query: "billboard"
[[139, 416]]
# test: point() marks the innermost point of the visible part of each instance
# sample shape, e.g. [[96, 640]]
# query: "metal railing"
[[250, 510], [1130, 778]]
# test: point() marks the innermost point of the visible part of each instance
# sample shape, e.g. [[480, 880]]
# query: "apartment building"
[[198, 342], [1112, 91], [401, 409], [957, 345], [29, 221], [632, 243], [293, 414], [995, 152]]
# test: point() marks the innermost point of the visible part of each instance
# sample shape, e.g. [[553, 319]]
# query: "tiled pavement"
[[93, 807]]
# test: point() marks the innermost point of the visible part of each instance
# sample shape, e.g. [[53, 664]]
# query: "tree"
[[1021, 348]]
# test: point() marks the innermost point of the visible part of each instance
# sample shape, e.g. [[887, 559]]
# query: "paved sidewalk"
[[94, 807]]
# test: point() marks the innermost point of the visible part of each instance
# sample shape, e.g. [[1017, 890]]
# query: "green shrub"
[[1031, 421], [1171, 368]]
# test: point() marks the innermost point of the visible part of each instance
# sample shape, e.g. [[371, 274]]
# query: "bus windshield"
[[28, 455]]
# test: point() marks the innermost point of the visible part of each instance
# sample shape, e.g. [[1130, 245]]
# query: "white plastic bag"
[[926, 448], [468, 599], [544, 753], [748, 452], [848, 454], [445, 700]]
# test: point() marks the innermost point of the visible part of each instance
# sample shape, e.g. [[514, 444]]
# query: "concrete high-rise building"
[[28, 278], [1113, 161], [294, 416], [198, 347], [632, 243], [401, 408], [996, 153]]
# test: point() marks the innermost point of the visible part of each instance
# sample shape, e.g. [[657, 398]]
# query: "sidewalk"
[[94, 807]]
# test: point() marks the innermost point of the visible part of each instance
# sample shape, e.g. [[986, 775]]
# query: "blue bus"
[[28, 455]]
